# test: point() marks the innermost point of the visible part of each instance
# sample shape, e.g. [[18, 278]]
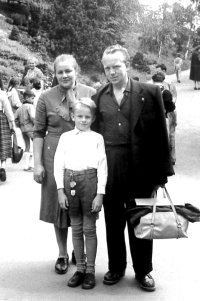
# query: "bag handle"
[[179, 226]]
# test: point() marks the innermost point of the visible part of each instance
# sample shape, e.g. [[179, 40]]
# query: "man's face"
[[115, 67]]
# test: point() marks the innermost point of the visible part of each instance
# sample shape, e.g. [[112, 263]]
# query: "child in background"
[[24, 118], [178, 62], [13, 95], [36, 88], [80, 170]]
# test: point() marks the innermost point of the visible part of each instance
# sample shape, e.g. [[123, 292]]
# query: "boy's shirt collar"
[[77, 131]]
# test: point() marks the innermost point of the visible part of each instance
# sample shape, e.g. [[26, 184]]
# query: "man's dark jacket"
[[149, 139]]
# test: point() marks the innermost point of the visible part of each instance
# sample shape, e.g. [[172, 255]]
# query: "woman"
[[33, 71], [13, 95], [51, 120], [6, 118], [195, 68]]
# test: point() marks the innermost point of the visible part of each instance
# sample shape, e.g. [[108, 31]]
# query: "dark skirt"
[[50, 210], [5, 138]]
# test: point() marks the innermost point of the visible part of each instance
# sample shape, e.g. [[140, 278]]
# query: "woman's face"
[[66, 74], [31, 65]]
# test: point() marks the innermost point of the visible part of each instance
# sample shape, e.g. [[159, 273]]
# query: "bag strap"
[[179, 226]]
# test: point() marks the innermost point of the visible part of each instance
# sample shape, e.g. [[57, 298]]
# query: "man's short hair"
[[158, 77], [162, 67], [85, 101], [114, 48]]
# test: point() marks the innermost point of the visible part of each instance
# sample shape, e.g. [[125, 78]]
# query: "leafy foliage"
[[15, 34]]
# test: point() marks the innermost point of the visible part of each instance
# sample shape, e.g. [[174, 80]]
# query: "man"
[[130, 116], [169, 85]]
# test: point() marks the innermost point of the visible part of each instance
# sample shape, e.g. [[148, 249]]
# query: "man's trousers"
[[118, 193]]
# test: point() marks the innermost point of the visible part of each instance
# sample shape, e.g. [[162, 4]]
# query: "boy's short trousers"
[[85, 190]]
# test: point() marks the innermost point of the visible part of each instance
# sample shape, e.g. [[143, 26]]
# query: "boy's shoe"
[[61, 266], [77, 279], [89, 281], [3, 175]]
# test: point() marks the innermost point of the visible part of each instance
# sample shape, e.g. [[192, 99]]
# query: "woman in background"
[[13, 95], [7, 124]]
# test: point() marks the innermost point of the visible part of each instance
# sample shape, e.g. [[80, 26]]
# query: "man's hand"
[[97, 203], [62, 199], [39, 173]]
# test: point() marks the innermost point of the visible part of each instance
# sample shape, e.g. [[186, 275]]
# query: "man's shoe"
[[61, 266], [146, 282], [3, 175], [112, 278], [76, 279], [89, 281]]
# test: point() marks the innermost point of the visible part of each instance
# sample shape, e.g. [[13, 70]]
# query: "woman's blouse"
[[51, 114], [36, 72], [5, 106]]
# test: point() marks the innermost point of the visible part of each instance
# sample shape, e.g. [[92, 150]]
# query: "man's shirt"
[[116, 118]]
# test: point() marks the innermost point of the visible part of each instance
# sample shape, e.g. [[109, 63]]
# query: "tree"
[[15, 34], [86, 27]]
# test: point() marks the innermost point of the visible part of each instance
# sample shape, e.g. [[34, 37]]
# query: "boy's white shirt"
[[81, 150]]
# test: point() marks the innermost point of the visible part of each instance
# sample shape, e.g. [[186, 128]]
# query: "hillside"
[[13, 56]]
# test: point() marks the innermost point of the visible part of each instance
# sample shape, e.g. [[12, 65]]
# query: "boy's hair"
[[36, 83], [28, 93], [85, 101], [158, 77], [114, 48], [162, 67], [66, 57]]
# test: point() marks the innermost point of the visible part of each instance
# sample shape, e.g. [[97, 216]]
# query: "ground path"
[[28, 248]]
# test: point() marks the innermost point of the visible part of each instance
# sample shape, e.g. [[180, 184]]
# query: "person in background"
[[172, 117], [1, 82], [13, 95], [178, 62], [24, 118], [33, 71], [131, 118], [36, 88], [81, 180], [51, 120], [7, 125], [195, 68]]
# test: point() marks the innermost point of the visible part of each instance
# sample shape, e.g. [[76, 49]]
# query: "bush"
[[9, 21], [15, 35], [22, 28], [17, 19], [140, 63]]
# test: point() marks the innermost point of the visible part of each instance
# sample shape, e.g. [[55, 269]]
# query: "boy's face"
[[83, 118], [30, 99]]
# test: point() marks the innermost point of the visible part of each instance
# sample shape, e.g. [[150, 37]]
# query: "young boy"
[[80, 170], [24, 118]]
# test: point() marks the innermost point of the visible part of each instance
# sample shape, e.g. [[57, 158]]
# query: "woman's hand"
[[39, 173], [62, 199], [97, 203]]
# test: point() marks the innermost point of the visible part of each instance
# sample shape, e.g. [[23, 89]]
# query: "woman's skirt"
[[50, 210], [5, 138]]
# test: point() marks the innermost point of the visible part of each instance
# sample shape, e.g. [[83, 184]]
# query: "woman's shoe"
[[195, 88], [89, 281], [3, 175], [76, 279], [61, 266]]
